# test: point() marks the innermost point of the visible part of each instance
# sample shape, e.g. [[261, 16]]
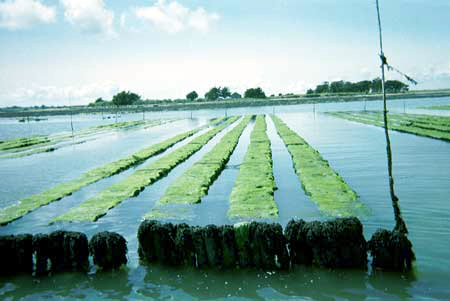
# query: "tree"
[[309, 92], [336, 87], [125, 98], [323, 88], [395, 86], [376, 85], [236, 95], [363, 86], [213, 94], [225, 92], [254, 93], [192, 96]]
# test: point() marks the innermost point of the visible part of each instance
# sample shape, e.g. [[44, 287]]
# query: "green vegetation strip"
[[252, 194], [194, 183], [443, 108], [22, 147], [56, 193], [94, 208], [320, 182], [437, 127]]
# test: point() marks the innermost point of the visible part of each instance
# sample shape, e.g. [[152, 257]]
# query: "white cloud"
[[123, 20], [91, 16], [52, 95], [172, 17], [21, 14], [201, 20]]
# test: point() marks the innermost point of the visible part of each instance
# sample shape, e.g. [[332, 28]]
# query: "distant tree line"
[[217, 93], [126, 98], [365, 86]]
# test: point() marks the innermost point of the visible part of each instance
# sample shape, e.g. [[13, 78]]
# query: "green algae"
[[194, 183], [252, 194], [22, 147], [94, 208], [320, 182], [441, 108], [60, 191], [23, 142], [436, 127]]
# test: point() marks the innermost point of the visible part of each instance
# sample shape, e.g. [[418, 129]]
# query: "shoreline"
[[228, 103]]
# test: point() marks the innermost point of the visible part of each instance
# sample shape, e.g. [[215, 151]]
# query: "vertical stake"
[[399, 222]]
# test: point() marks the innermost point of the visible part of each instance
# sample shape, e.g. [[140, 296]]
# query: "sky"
[[61, 52]]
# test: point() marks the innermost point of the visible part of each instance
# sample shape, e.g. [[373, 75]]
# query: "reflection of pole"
[[314, 110], [399, 222]]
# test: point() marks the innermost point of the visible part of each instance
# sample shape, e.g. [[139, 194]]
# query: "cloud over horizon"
[[53, 95], [172, 17], [90, 16], [22, 14]]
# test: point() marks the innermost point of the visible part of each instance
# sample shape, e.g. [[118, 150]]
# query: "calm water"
[[355, 151]]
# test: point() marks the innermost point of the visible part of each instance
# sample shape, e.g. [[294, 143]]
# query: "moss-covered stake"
[[324, 186], [16, 254], [108, 249], [252, 194], [56, 193], [391, 250], [94, 208], [191, 186], [337, 243]]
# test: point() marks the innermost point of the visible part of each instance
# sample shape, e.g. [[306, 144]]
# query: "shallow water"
[[355, 151]]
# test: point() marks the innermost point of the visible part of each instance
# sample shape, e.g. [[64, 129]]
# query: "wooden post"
[[399, 222]]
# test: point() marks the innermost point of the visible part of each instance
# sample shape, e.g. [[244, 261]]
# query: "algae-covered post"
[[108, 249]]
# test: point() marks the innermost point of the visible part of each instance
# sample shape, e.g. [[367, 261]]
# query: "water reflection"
[[304, 282], [392, 284], [112, 284]]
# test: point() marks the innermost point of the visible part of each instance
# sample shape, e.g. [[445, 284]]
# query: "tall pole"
[[399, 222]]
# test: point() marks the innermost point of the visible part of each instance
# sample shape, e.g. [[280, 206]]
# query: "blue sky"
[[61, 51]]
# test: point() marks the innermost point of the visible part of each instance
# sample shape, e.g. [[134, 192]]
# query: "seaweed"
[[27, 146], [108, 249], [194, 183], [94, 208], [252, 194], [436, 127], [60, 191], [320, 182]]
